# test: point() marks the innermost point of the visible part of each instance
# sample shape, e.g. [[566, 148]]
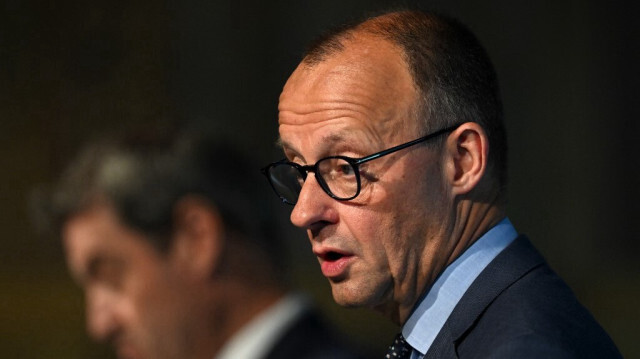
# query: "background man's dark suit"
[[519, 302], [311, 338]]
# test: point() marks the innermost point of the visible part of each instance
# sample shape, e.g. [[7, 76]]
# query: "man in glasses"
[[176, 250], [396, 167]]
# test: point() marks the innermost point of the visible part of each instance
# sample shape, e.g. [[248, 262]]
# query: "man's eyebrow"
[[336, 143], [327, 144], [333, 138]]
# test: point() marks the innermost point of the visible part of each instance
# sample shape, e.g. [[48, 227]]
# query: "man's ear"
[[198, 236], [466, 154]]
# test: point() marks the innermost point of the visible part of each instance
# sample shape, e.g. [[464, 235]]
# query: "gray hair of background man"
[[449, 66], [144, 176]]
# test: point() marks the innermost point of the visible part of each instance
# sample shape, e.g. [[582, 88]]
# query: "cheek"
[[394, 228], [156, 311], [374, 234], [150, 293]]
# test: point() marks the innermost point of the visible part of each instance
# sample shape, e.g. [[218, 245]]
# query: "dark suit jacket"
[[519, 308], [311, 338]]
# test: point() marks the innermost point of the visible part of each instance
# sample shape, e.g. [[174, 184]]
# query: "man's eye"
[[107, 272], [112, 277], [345, 169]]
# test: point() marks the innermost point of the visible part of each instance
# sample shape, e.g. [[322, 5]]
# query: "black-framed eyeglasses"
[[339, 176]]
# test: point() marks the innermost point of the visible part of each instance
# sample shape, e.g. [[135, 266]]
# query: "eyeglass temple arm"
[[405, 145]]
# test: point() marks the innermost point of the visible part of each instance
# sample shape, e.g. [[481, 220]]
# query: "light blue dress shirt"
[[432, 312]]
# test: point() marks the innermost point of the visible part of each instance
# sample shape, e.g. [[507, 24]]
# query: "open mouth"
[[332, 256], [334, 263]]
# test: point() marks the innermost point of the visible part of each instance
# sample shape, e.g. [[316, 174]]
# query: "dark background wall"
[[71, 70]]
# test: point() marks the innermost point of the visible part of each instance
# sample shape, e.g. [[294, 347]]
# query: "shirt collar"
[[256, 338], [432, 312]]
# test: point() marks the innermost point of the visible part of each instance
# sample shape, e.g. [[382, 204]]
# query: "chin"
[[350, 296]]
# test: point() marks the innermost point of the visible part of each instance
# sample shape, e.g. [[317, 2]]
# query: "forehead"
[[97, 234], [363, 90]]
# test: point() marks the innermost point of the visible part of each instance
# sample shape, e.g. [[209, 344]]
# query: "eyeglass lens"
[[337, 177], [287, 181]]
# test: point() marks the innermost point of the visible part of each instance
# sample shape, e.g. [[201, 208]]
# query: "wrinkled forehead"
[[367, 81], [95, 234], [369, 67]]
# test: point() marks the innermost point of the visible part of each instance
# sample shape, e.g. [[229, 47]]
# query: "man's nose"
[[101, 314], [314, 206]]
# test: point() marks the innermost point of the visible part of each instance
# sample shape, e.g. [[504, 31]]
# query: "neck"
[[474, 220], [471, 219], [236, 304]]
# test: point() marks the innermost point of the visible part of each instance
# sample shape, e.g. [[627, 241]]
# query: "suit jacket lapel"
[[515, 261]]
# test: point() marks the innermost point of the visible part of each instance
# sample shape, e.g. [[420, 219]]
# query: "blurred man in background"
[[175, 248], [396, 166]]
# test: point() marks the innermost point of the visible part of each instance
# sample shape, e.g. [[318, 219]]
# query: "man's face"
[[383, 248], [134, 295]]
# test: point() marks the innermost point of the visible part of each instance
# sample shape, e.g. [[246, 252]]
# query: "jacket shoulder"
[[519, 307]]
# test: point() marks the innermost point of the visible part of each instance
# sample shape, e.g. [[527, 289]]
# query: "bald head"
[[366, 75], [451, 71]]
